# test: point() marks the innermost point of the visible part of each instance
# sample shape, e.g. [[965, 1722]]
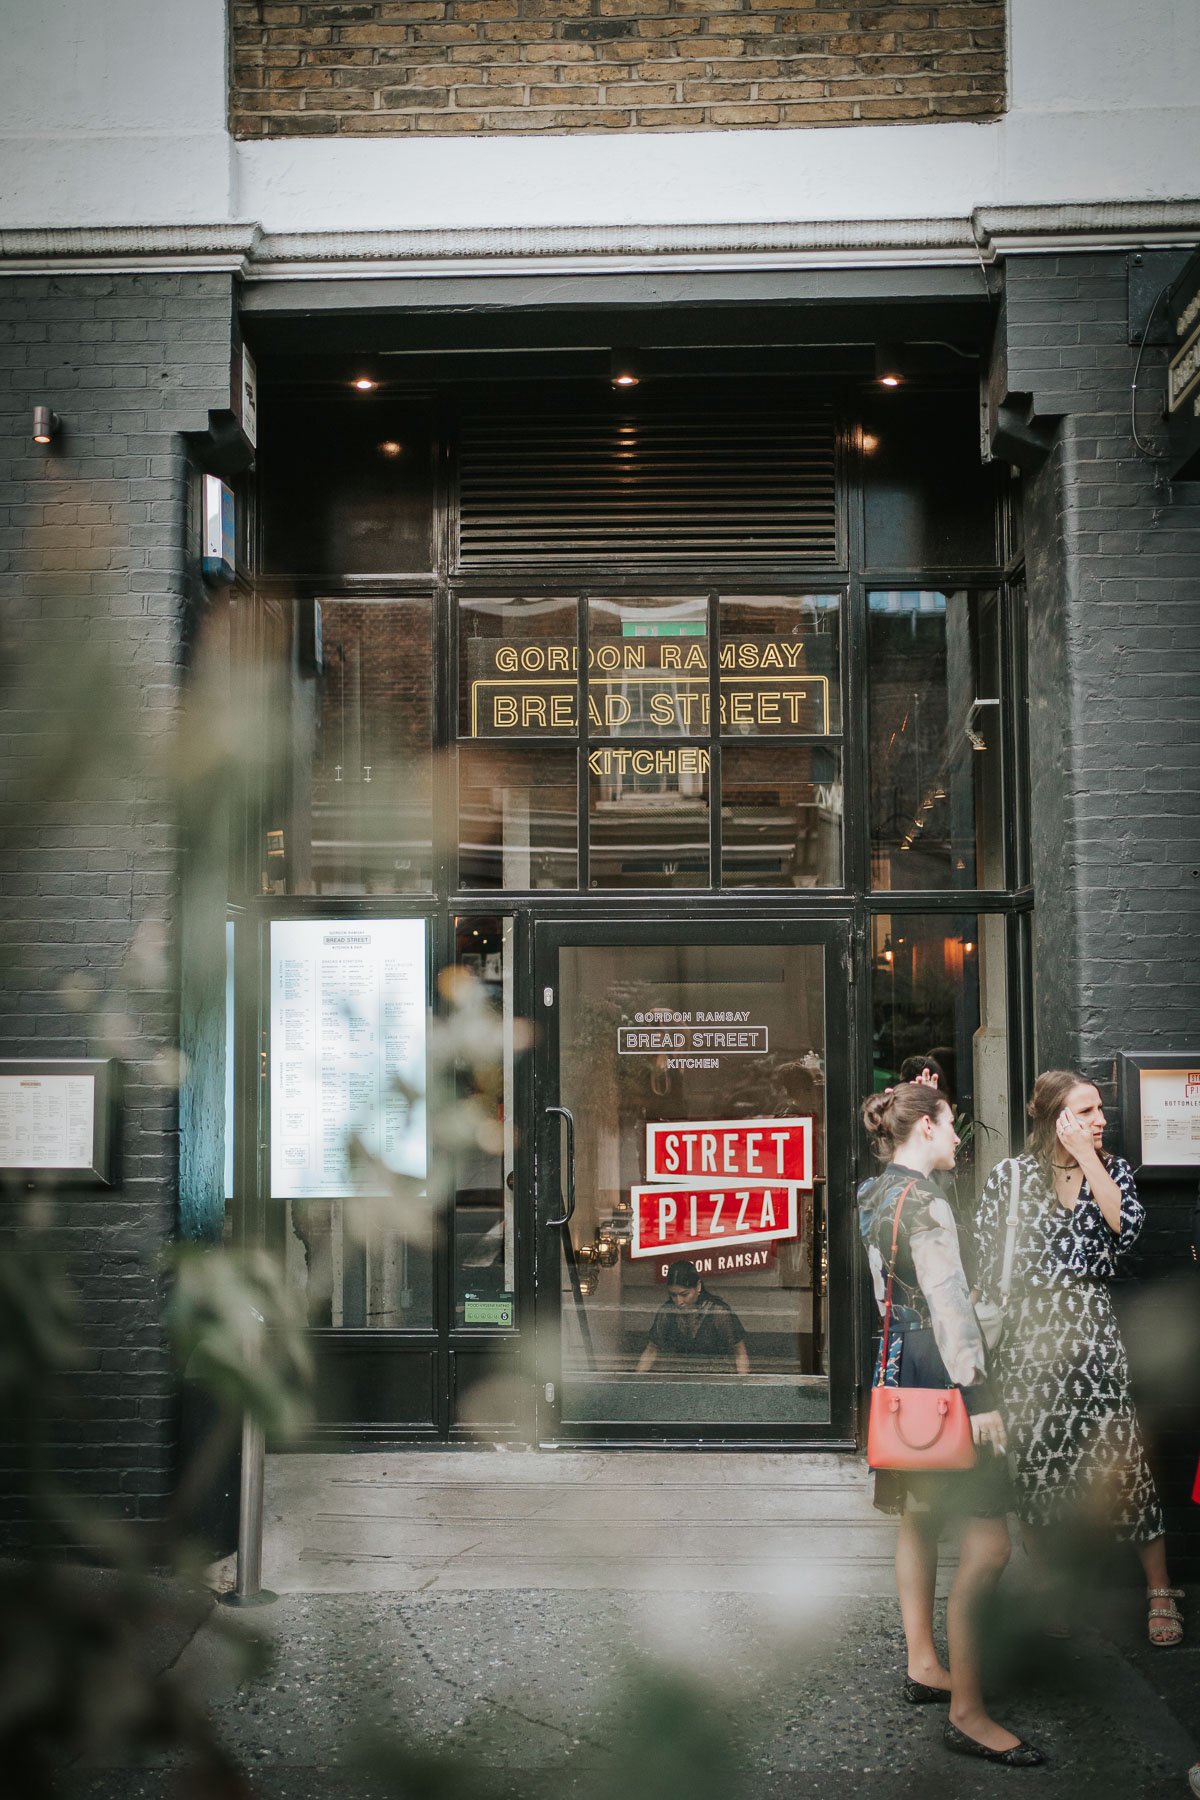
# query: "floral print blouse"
[[929, 1287]]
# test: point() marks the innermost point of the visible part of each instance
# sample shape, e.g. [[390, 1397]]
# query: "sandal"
[[1165, 1621]]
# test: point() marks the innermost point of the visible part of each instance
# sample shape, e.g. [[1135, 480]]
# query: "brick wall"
[[94, 593], [314, 67], [1115, 750]]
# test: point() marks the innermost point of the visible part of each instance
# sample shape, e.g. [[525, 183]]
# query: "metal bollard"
[[248, 1589]]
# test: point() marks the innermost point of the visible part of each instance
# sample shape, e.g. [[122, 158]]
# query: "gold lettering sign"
[[643, 685], [689, 759]]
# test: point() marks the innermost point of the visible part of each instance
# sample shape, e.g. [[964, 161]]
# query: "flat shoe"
[[918, 1694], [1021, 1756]]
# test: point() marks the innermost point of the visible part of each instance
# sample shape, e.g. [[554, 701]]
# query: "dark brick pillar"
[[95, 591], [1114, 656]]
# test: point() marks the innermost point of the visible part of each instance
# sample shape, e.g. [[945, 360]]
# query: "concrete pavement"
[[624, 1627]]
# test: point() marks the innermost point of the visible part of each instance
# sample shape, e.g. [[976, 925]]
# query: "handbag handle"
[[887, 1306], [943, 1413]]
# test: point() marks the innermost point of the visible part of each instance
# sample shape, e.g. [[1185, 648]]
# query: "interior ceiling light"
[[623, 369], [889, 365], [365, 385], [390, 447]]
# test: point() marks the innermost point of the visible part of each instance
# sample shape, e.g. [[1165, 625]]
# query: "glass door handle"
[[564, 1112]]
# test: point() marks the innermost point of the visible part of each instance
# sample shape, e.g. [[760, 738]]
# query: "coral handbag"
[[915, 1428]]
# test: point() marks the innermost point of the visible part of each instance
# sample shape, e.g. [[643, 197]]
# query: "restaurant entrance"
[[692, 1091], [677, 733]]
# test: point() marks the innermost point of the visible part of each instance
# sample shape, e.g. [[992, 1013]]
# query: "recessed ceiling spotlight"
[[390, 447], [623, 369], [365, 385], [889, 365]]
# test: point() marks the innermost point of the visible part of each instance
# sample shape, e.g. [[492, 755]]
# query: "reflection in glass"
[[648, 668], [936, 753], [938, 996], [781, 817], [648, 815], [361, 795], [750, 1025], [484, 1244], [351, 1273], [779, 665], [517, 818], [518, 666]]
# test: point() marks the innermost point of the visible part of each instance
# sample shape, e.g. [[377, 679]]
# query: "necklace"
[[1070, 1166]]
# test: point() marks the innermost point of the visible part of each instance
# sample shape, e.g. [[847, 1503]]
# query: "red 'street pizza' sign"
[[684, 1218], [713, 1151]]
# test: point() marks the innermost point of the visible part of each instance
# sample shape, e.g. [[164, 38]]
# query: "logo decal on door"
[[689, 1217]]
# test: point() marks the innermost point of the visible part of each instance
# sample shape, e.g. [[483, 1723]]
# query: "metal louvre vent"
[[635, 486]]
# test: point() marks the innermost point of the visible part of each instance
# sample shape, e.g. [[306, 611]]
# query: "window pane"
[[517, 818], [779, 665], [936, 802], [938, 990], [352, 1272], [518, 668], [781, 817], [648, 668], [348, 1146], [361, 773], [648, 816], [485, 1278]]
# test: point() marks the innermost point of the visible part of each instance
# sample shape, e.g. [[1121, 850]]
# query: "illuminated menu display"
[[348, 1014]]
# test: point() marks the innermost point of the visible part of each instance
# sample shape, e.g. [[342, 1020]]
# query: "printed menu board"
[[47, 1121], [348, 1012], [1170, 1117]]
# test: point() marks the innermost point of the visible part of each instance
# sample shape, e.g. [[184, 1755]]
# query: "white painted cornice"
[[988, 234]]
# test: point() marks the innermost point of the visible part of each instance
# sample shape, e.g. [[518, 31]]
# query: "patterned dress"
[[1075, 1448]]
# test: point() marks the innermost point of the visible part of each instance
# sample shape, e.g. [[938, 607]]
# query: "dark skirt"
[[984, 1492]]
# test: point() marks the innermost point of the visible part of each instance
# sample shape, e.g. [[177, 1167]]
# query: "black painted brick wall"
[[92, 565], [1114, 589]]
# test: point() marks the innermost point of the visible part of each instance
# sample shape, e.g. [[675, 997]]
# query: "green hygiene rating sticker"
[[487, 1312]]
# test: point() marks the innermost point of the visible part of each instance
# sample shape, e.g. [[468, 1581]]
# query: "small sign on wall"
[[220, 543], [1160, 1111]]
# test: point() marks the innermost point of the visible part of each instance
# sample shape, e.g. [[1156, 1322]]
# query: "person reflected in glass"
[[694, 1322], [935, 1342], [1060, 1364]]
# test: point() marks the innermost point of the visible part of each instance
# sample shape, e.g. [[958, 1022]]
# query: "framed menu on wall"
[[1160, 1111], [349, 999], [56, 1121]]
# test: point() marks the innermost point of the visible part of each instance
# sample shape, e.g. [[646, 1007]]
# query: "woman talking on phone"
[[933, 1340], [1060, 1365]]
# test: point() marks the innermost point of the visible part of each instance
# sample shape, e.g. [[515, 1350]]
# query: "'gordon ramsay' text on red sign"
[[716, 1150], [683, 1218]]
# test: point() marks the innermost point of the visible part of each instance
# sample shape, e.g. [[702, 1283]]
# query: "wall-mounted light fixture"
[[623, 369], [46, 425], [889, 365]]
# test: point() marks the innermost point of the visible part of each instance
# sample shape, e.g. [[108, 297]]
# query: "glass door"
[[693, 1185]]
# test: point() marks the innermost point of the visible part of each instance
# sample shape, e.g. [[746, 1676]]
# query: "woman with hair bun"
[[1060, 1366], [935, 1341]]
